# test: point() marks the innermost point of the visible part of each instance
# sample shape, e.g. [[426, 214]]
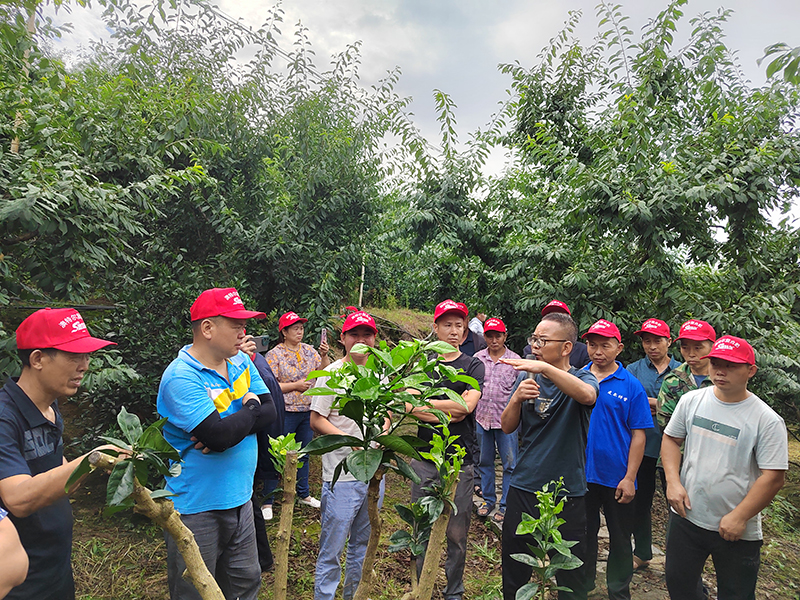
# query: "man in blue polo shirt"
[[650, 371], [54, 347], [614, 451], [215, 401]]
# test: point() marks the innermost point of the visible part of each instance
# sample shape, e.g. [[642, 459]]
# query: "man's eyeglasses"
[[537, 342]]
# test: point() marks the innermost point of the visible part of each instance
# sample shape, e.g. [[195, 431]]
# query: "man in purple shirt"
[[497, 386]]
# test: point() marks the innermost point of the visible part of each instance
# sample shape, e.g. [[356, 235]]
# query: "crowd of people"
[[569, 410]]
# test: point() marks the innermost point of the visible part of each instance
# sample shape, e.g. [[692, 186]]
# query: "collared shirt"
[[621, 407], [289, 366], [646, 372], [29, 445], [498, 381], [189, 392], [677, 382]]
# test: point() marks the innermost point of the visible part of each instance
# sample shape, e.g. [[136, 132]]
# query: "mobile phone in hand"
[[323, 337]]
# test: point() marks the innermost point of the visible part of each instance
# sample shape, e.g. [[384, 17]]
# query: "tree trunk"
[[31, 23], [163, 513], [367, 569], [285, 528], [430, 567]]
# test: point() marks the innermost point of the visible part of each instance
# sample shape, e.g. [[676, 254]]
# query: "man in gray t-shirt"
[[735, 460], [343, 510]]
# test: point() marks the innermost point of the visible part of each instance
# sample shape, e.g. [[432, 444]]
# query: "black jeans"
[[517, 574], [688, 547], [643, 522], [619, 520]]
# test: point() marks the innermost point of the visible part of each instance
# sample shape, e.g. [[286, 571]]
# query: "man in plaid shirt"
[[497, 385]]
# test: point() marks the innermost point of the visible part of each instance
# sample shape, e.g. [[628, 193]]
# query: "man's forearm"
[[581, 392], [23, 495], [635, 453], [760, 495], [509, 419], [671, 458]]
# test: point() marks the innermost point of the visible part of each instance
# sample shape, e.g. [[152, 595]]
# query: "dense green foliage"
[[644, 180]]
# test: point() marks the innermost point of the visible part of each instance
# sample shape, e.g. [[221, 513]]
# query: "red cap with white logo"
[[450, 306], [221, 302], [695, 329], [59, 328], [357, 319], [290, 318], [655, 327], [733, 349], [555, 306], [604, 328], [494, 324]]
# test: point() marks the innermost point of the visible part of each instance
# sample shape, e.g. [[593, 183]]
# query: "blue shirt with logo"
[[188, 394], [646, 372], [621, 407]]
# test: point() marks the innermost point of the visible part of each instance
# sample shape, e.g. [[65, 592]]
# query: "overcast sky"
[[456, 45]]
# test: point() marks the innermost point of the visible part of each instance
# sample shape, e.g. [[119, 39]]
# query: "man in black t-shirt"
[[551, 405], [449, 324]]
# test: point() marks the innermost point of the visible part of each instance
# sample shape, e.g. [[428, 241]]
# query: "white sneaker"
[[266, 510], [309, 501]]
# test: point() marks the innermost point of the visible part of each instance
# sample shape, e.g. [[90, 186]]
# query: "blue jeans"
[[227, 542], [506, 444], [343, 518], [299, 423]]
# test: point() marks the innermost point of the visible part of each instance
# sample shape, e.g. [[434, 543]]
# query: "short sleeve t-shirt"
[[29, 445], [727, 445], [289, 366], [188, 394], [553, 433], [621, 407], [465, 428], [324, 406]]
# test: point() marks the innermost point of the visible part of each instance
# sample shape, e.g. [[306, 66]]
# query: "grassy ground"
[[123, 557]]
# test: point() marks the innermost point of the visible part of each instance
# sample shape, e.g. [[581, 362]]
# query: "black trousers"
[[688, 547], [517, 574], [642, 519], [619, 520], [262, 541]]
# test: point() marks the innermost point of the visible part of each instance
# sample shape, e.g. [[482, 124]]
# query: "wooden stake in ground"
[[368, 571], [162, 512], [285, 527]]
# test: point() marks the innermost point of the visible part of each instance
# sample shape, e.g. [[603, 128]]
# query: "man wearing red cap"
[[578, 358], [343, 512], [650, 371], [696, 338], [614, 452], [215, 401], [498, 382], [54, 346], [734, 462], [449, 324]]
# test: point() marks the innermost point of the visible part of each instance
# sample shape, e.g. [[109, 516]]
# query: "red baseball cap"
[[221, 302], [555, 306], [655, 327], [357, 319], [733, 349], [605, 329], [59, 328], [494, 324], [450, 306], [290, 318], [695, 329]]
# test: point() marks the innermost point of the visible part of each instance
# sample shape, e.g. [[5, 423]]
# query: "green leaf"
[[527, 591], [353, 409], [326, 443], [526, 559], [405, 470], [439, 347], [130, 425], [397, 444], [82, 469], [153, 439], [115, 442], [120, 483], [363, 464], [156, 494]]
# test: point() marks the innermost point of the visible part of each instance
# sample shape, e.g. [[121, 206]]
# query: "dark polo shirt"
[[29, 445]]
